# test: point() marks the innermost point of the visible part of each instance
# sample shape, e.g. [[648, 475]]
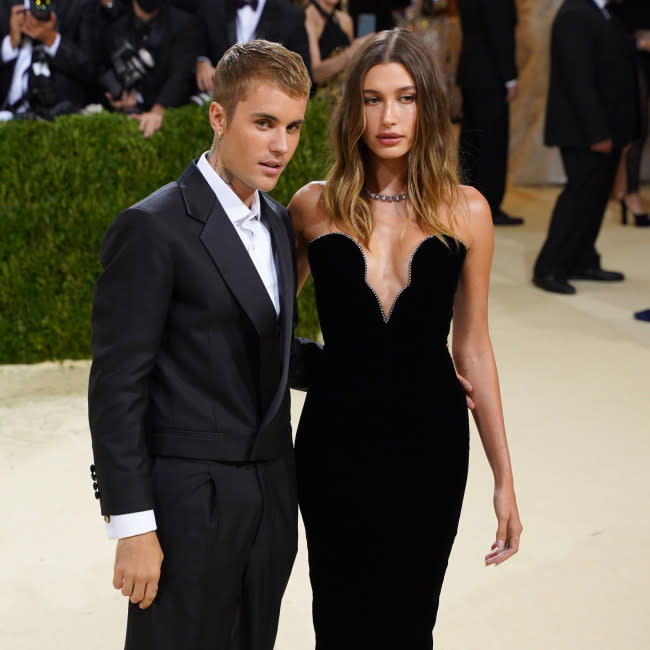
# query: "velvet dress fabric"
[[382, 449]]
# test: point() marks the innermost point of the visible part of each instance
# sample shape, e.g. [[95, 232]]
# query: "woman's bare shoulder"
[[472, 213], [307, 206]]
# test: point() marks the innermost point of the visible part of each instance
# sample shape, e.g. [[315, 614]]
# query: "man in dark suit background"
[[188, 398], [227, 22], [171, 38], [62, 48], [487, 76], [591, 115]]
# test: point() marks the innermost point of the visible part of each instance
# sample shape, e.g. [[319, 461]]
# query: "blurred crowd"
[[144, 56]]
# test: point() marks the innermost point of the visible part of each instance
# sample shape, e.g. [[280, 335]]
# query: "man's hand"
[[128, 100], [468, 390], [137, 568], [204, 76], [151, 121], [511, 92], [16, 24], [41, 30], [604, 146]]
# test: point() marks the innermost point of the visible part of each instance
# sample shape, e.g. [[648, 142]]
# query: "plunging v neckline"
[[384, 317]]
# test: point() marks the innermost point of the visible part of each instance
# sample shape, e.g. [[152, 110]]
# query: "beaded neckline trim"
[[365, 275]]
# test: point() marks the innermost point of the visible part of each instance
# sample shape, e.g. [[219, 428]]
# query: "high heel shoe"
[[641, 220]]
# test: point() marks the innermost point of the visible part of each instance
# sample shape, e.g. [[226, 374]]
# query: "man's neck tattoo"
[[226, 176]]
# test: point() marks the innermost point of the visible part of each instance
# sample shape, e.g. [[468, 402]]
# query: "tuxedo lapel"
[[266, 27], [228, 252], [231, 23], [286, 281]]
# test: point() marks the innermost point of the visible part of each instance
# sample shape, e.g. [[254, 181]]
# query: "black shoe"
[[553, 283], [641, 220], [500, 218], [643, 315], [599, 275]]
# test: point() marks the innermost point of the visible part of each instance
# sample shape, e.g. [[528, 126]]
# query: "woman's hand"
[[509, 528]]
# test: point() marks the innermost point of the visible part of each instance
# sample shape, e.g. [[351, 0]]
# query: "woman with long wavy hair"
[[395, 244]]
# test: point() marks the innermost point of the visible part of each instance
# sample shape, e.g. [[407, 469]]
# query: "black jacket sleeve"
[[130, 304]]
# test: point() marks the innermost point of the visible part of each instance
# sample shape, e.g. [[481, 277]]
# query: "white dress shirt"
[[257, 240], [247, 21], [23, 53], [601, 5]]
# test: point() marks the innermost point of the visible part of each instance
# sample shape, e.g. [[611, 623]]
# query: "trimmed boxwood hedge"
[[61, 185]]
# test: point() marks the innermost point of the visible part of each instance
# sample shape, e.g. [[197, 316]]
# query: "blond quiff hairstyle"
[[258, 60]]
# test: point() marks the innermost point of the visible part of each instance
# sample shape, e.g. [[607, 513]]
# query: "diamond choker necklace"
[[385, 197]]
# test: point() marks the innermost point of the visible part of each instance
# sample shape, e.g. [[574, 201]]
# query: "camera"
[[41, 9], [128, 67]]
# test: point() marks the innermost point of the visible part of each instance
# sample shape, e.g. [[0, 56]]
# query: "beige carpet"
[[575, 377]]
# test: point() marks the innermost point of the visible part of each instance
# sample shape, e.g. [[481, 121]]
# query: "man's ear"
[[217, 118]]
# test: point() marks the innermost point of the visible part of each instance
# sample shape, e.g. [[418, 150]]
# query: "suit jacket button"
[[94, 486], [107, 518], [92, 469], [97, 494]]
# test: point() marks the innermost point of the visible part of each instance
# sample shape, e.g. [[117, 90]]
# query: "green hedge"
[[61, 185]]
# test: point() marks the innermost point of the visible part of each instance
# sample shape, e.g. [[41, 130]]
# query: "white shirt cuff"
[[54, 48], [128, 525], [511, 83], [8, 52]]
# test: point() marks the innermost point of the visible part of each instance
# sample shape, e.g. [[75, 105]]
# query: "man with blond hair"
[[188, 397]]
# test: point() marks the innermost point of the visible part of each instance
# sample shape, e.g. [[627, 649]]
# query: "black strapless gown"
[[382, 449]]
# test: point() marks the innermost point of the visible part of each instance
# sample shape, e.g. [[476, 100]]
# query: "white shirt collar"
[[234, 207], [601, 3]]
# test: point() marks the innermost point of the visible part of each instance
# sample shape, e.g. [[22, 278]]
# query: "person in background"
[[331, 44], [591, 115], [635, 15], [487, 76], [47, 57], [147, 61], [226, 22]]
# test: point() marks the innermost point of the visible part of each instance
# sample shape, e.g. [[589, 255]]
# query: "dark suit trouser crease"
[[483, 142], [229, 537], [634, 155], [578, 214]]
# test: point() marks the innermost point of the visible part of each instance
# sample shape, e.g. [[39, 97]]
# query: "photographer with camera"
[[46, 60], [148, 59]]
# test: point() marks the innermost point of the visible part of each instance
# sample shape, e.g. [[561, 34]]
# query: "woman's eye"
[[407, 99], [371, 100], [263, 124]]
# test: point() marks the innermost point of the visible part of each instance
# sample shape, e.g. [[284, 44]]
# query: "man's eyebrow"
[[378, 92], [267, 116], [273, 118]]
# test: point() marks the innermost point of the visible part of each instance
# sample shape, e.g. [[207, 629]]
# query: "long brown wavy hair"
[[432, 160]]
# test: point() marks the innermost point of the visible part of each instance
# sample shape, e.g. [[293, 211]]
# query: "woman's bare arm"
[[474, 359]]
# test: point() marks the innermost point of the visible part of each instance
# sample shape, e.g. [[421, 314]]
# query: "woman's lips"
[[390, 139]]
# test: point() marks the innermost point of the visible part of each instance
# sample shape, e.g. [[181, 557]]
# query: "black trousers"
[[229, 534], [578, 214], [634, 155], [483, 142]]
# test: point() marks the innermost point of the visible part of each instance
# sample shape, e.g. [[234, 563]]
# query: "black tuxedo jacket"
[[72, 68], [487, 56], [593, 86], [280, 22], [189, 357]]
